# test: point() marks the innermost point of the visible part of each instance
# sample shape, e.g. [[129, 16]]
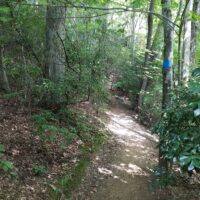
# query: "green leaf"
[[196, 163], [53, 138], [4, 9], [184, 160], [191, 166], [196, 73]]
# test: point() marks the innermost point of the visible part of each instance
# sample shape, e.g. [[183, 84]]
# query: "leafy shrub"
[[6, 165], [39, 170], [48, 128], [179, 128]]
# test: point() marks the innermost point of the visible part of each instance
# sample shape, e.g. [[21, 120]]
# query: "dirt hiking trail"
[[122, 169]]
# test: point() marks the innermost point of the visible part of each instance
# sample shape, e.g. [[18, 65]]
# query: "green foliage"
[[179, 128], [64, 185], [12, 95], [39, 170], [63, 127], [92, 135], [196, 73], [5, 17], [6, 165], [2, 149], [49, 128], [163, 178]]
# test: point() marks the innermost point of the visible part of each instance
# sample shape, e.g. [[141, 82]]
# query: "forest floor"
[[25, 149], [124, 167]]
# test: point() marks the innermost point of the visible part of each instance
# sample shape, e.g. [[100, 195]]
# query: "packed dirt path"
[[123, 167]]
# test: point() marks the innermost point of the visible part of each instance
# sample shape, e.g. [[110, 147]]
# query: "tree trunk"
[[180, 38], [146, 59], [168, 54], [3, 76], [167, 64], [55, 35], [186, 43], [157, 44], [194, 32], [132, 38]]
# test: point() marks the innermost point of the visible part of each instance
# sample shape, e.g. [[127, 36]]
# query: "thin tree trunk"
[[168, 54], [132, 38], [186, 42], [3, 76], [167, 65], [194, 32], [55, 35], [179, 38], [146, 59], [157, 44]]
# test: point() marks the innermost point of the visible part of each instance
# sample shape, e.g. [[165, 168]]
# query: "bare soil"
[[123, 167]]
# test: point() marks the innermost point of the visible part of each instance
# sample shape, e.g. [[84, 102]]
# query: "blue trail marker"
[[167, 64]]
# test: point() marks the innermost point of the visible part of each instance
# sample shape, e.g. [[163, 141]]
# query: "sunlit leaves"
[[5, 14], [191, 161], [92, 2], [138, 3]]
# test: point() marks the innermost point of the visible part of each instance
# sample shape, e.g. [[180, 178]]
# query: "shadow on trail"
[[122, 171]]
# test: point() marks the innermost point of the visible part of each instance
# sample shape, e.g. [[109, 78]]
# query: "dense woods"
[[61, 64]]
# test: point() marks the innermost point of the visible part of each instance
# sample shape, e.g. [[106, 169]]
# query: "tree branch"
[[125, 9], [65, 51]]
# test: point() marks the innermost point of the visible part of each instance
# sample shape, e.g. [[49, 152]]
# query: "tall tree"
[[148, 47], [168, 62], [168, 53], [132, 38], [186, 42], [55, 35], [194, 31]]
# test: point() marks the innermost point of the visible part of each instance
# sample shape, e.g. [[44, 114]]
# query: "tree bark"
[[146, 59], [3, 76], [55, 35], [132, 38], [167, 65], [186, 43], [168, 54], [157, 44], [194, 32], [180, 38]]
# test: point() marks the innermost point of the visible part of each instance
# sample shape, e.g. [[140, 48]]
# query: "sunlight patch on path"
[[127, 177], [122, 169], [130, 169], [122, 125]]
